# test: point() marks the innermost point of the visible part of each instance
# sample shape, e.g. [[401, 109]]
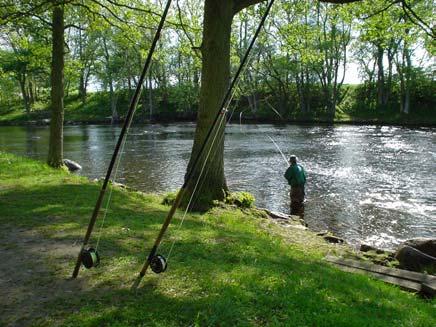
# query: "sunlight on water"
[[366, 183]]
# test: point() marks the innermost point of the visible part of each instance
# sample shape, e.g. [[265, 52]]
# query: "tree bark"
[[82, 84], [150, 98], [31, 88], [380, 77], [55, 152], [113, 100], [22, 81], [82, 87], [407, 64], [215, 75], [218, 16]]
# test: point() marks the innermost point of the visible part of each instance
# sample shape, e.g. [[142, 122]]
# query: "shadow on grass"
[[219, 274]]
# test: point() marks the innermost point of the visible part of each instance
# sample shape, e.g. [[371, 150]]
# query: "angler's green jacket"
[[295, 175]]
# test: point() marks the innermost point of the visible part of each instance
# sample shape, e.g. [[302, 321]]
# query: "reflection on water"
[[365, 183]]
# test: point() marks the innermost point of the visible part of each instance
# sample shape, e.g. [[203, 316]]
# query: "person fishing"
[[296, 177]]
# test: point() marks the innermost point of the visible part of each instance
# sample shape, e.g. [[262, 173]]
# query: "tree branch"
[[74, 26], [241, 4], [417, 20], [191, 41], [382, 10], [339, 1]]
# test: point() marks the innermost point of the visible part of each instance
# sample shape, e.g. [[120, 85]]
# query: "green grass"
[[228, 267], [96, 109]]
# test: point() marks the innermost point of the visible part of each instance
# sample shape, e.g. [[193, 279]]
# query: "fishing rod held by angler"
[[278, 148], [124, 130], [221, 111]]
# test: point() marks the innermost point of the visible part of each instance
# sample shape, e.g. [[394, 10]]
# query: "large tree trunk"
[[215, 75], [55, 152], [218, 15]]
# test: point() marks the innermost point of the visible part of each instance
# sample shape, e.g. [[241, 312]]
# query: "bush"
[[169, 198], [240, 199]]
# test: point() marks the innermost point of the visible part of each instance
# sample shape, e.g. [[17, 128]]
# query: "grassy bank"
[[228, 267], [97, 110]]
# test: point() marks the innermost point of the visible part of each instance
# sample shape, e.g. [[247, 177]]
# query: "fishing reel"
[[158, 264], [90, 258]]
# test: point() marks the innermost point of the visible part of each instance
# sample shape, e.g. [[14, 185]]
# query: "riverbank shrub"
[[240, 199], [169, 198]]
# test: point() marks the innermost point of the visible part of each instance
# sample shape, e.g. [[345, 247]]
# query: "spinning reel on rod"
[[158, 264], [89, 258]]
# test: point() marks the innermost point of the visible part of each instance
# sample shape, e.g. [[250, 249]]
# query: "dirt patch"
[[33, 273]]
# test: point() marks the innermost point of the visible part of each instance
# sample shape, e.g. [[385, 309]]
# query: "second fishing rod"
[[153, 256]]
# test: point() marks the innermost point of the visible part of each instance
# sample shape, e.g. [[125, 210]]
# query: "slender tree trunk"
[[55, 152], [113, 99], [22, 81], [144, 102], [82, 79], [380, 77], [408, 78], [35, 91], [150, 97], [401, 91], [82, 86], [390, 56], [214, 82], [306, 91], [299, 83], [31, 92]]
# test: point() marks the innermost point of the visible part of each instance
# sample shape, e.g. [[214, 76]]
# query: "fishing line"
[[201, 176], [221, 137], [240, 123], [196, 184], [278, 148], [154, 260], [108, 202], [227, 122], [132, 108]]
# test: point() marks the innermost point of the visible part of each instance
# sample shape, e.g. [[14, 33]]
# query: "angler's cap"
[[293, 159]]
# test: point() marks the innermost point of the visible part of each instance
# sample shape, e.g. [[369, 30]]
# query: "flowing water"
[[365, 183]]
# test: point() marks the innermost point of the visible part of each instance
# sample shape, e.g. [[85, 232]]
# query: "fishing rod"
[[89, 257], [278, 148], [156, 261]]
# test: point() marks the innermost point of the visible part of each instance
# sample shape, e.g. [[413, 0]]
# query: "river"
[[368, 184]]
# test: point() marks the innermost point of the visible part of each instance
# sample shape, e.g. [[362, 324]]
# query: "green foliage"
[[240, 199], [169, 198], [296, 66], [361, 104]]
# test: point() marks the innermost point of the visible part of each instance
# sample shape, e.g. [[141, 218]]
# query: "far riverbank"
[[97, 110]]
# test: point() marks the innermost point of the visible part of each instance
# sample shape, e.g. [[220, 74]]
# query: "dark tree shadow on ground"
[[231, 280]]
